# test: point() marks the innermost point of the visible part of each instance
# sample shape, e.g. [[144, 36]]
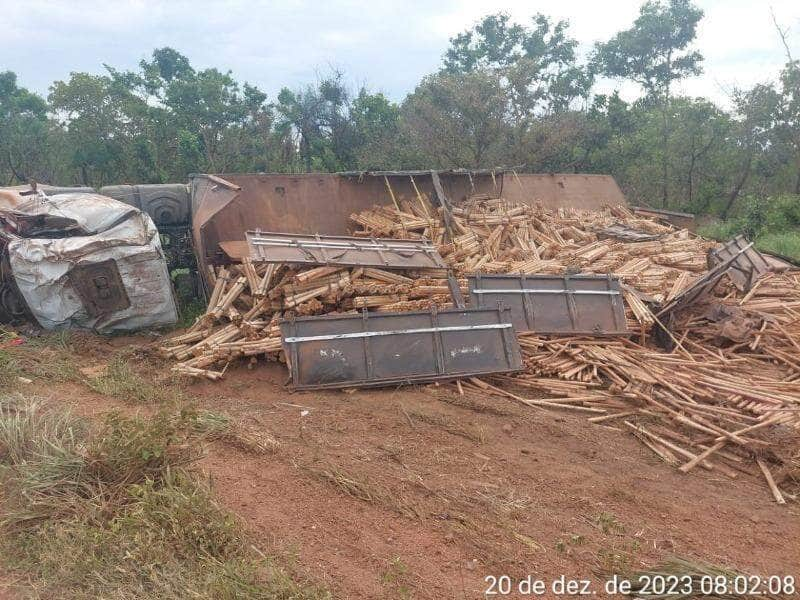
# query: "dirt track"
[[422, 492]]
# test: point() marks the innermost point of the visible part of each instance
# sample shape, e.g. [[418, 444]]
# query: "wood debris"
[[728, 406], [248, 299], [721, 402]]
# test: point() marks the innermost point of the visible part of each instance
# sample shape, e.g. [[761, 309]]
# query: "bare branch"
[[782, 34]]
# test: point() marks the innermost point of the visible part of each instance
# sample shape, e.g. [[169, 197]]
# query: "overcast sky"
[[387, 45]]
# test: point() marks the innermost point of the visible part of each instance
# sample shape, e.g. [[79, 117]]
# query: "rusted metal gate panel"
[[586, 304], [374, 349], [748, 265], [702, 285], [344, 251]]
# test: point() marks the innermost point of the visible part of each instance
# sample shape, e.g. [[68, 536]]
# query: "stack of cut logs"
[[719, 401], [241, 320], [495, 236]]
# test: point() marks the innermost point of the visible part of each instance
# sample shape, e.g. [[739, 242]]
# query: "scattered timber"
[[726, 399]]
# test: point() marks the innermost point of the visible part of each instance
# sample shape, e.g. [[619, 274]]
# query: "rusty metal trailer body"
[[224, 206]]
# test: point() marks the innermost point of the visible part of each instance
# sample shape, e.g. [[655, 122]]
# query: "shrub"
[[772, 222]]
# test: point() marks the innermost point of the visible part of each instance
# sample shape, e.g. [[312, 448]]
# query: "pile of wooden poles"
[[491, 235], [495, 236], [241, 319], [726, 398]]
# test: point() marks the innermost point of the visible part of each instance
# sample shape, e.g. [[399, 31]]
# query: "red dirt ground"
[[422, 492]]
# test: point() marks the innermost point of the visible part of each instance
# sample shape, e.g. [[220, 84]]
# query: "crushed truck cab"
[[82, 260]]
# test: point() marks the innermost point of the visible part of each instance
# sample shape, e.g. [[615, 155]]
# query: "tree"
[[758, 109], [91, 107], [536, 66], [789, 114], [700, 130], [183, 120], [650, 53], [23, 131], [375, 121], [458, 120], [609, 125], [206, 105], [318, 119], [788, 128]]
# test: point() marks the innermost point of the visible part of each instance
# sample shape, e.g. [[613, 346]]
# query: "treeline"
[[507, 94]]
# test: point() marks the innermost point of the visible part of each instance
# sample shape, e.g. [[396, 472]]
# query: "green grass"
[[49, 357], [120, 380], [785, 243], [719, 230], [9, 370], [9, 365], [52, 358], [189, 312], [115, 512], [773, 222], [397, 579]]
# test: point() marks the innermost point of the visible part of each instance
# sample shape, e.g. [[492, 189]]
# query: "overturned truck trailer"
[[225, 206], [305, 220]]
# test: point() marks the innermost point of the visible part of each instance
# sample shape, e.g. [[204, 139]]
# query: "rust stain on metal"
[[100, 287], [342, 250], [550, 304], [375, 349], [568, 190]]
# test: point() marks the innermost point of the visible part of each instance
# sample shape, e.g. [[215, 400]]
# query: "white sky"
[[386, 45]]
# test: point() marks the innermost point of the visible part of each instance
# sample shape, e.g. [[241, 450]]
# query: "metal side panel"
[[375, 349], [549, 304], [748, 266], [704, 284], [343, 250]]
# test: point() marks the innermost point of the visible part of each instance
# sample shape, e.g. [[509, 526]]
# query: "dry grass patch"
[[361, 488], [122, 381], [451, 426], [113, 511], [468, 403], [216, 426]]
